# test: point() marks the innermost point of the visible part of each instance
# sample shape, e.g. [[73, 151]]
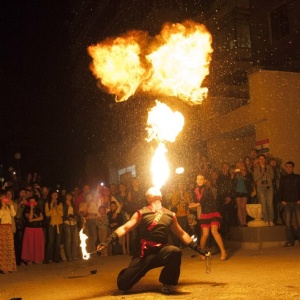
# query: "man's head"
[[289, 167], [153, 194]]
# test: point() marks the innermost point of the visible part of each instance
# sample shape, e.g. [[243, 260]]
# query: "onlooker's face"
[[69, 198], [122, 188], [214, 175], [225, 168], [86, 189], [22, 194], [45, 191], [9, 195], [113, 207], [247, 161], [54, 196], [113, 189], [102, 211], [200, 180], [262, 160], [273, 163], [253, 154], [289, 168], [89, 197], [135, 183], [28, 193]]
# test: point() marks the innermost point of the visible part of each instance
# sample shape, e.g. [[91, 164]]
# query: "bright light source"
[[179, 170]]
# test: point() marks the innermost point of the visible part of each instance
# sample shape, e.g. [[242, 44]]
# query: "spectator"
[[41, 203], [19, 206], [70, 228], [33, 241], [121, 197], [180, 205], [103, 227], [88, 211], [212, 181], [54, 210], [115, 220], [81, 197], [7, 251], [243, 188], [290, 199], [254, 156], [263, 176], [250, 168], [135, 200], [226, 199], [10, 197], [278, 208]]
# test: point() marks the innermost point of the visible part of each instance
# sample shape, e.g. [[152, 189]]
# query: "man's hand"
[[110, 240], [196, 248]]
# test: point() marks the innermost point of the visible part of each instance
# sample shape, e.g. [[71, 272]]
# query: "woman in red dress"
[[210, 218]]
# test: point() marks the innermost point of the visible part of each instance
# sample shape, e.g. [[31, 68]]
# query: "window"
[[279, 22], [243, 35], [129, 170]]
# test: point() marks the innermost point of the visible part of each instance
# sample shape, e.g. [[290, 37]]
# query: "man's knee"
[[122, 281]]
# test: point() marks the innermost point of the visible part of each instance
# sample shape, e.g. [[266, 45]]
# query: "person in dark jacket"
[[290, 199]]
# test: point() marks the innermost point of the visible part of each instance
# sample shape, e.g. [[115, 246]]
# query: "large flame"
[[163, 126], [174, 63]]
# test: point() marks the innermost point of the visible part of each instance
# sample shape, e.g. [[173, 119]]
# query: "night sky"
[[35, 88]]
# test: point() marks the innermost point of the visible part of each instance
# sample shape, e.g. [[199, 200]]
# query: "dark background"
[[36, 106]]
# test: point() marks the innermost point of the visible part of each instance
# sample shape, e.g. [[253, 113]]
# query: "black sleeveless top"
[[158, 233]]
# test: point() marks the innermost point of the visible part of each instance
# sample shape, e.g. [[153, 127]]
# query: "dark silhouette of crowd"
[[42, 225]]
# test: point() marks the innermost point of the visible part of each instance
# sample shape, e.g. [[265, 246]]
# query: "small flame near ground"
[[83, 238]]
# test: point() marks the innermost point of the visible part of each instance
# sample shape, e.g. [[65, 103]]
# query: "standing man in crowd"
[[156, 223], [290, 199]]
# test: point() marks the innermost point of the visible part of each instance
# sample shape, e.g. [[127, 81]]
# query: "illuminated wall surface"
[[273, 112]]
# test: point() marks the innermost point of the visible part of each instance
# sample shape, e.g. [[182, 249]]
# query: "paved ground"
[[272, 273]]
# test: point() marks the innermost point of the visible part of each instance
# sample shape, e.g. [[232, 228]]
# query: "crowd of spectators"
[[46, 223]]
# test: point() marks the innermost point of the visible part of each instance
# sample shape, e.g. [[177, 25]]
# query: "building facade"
[[253, 81]]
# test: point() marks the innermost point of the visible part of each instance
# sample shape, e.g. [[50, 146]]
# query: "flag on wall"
[[262, 146]]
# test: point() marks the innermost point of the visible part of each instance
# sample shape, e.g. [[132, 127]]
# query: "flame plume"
[[174, 63], [163, 126]]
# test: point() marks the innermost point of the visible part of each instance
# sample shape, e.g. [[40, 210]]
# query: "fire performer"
[[156, 222]]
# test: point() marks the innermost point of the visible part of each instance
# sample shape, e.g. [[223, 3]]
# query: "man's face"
[[289, 168]]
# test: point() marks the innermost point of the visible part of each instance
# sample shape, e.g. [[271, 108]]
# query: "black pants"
[[168, 257]]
